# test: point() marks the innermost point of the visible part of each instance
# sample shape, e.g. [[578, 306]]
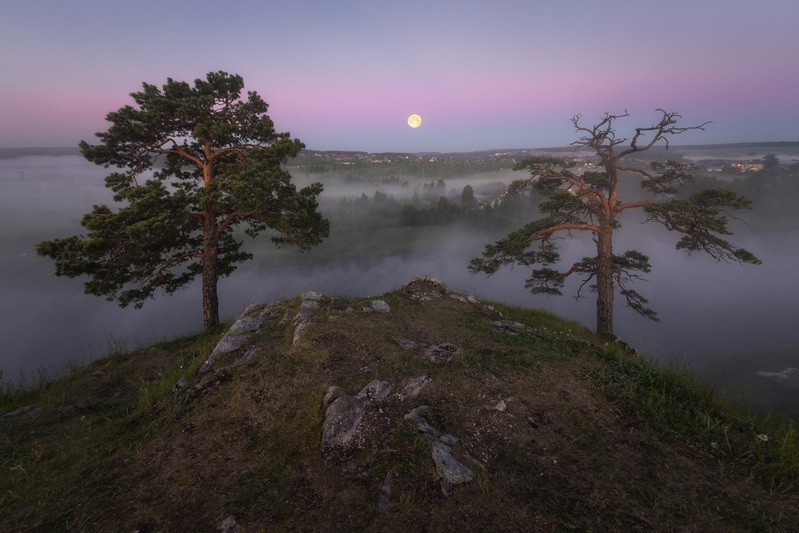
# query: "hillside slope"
[[420, 410]]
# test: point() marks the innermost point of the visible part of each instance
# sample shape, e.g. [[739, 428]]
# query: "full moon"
[[414, 121]]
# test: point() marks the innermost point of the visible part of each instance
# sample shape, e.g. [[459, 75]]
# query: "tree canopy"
[[589, 201], [191, 164]]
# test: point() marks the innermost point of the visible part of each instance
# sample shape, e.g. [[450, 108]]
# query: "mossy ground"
[[593, 437]]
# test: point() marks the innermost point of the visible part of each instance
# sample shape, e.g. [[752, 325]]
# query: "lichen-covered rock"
[[442, 352], [414, 387], [376, 391], [342, 418], [405, 344], [509, 326], [381, 306], [331, 394], [423, 283], [451, 471]]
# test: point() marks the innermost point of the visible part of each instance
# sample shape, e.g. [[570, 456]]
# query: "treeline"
[[433, 207]]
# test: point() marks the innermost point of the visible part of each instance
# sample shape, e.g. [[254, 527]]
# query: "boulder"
[[381, 306]]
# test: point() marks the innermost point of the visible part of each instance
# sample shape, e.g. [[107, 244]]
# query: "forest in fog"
[[395, 216]]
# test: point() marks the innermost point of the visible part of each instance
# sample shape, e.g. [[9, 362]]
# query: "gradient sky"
[[346, 74]]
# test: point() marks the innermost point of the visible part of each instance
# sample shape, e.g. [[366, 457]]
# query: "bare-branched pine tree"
[[590, 202]]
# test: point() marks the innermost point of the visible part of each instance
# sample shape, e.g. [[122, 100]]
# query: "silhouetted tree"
[[467, 197], [222, 169], [590, 202], [770, 161]]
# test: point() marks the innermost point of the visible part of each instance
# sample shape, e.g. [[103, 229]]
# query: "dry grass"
[[592, 437]]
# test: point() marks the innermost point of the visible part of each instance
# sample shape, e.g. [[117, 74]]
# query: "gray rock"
[[457, 297], [787, 378], [245, 325], [472, 299], [298, 329], [312, 296], [385, 499], [422, 425], [98, 374], [449, 440], [25, 409], [342, 418], [367, 310], [414, 387], [405, 344], [429, 282], [375, 391], [509, 326], [248, 356], [380, 305], [307, 308], [451, 471], [230, 525], [442, 352], [331, 394], [182, 383], [500, 406]]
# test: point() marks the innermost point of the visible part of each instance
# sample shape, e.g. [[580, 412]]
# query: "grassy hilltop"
[[559, 428]]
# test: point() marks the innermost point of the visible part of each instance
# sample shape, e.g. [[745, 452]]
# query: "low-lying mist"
[[726, 320]]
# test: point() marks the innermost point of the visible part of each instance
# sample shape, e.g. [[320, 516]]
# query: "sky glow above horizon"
[[346, 75]]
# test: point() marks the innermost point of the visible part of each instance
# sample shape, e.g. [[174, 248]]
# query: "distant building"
[[747, 167]]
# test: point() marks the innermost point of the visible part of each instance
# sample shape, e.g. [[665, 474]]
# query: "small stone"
[[442, 352], [375, 391], [385, 500], [472, 299], [380, 305], [367, 309], [230, 525], [509, 326], [182, 383], [457, 297], [500, 406], [414, 387], [405, 344]]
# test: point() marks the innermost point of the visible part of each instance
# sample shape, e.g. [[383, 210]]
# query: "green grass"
[[593, 437]]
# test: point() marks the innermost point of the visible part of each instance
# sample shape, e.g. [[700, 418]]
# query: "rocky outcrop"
[[250, 321], [451, 471]]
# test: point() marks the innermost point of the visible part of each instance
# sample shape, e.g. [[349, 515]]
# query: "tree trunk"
[[604, 280], [210, 276]]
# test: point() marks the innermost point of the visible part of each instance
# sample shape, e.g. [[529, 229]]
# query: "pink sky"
[[346, 75]]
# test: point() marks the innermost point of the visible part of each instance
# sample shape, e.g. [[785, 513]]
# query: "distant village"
[[448, 164]]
